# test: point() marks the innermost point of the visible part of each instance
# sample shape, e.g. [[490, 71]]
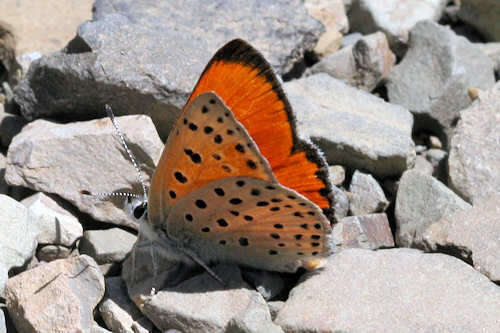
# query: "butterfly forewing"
[[251, 222], [207, 143]]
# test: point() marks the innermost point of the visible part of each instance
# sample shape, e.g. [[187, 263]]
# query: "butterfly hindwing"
[[207, 143], [251, 222]]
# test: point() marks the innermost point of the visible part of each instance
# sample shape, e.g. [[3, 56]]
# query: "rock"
[[66, 159], [49, 253], [393, 17], [150, 53], [10, 125], [18, 237], [268, 284], [340, 203], [26, 59], [275, 307], [57, 225], [437, 158], [119, 312], [107, 246], [3, 327], [434, 142], [95, 328], [366, 195], [201, 304], [423, 165], [350, 39], [50, 25], [353, 128], [362, 65], [483, 15], [473, 161], [10, 67], [337, 173], [435, 90], [255, 318], [332, 14], [4, 187], [396, 290], [56, 297], [492, 50], [422, 200], [370, 232], [472, 235]]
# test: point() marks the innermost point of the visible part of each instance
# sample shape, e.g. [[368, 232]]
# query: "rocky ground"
[[403, 97]]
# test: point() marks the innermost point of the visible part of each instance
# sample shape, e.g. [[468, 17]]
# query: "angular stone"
[[56, 297], [66, 159], [483, 15], [474, 157], [332, 14], [422, 200], [275, 307], [57, 225], [268, 284], [49, 253], [423, 165], [337, 173], [255, 318], [492, 50], [150, 53], [10, 125], [435, 90], [353, 128], [393, 17], [3, 327], [382, 291], [200, 304], [362, 65], [370, 232], [438, 159], [4, 187], [367, 196], [18, 237], [119, 313], [340, 203], [472, 235], [107, 246]]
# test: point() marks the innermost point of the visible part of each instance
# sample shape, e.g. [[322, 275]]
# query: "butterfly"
[[234, 183]]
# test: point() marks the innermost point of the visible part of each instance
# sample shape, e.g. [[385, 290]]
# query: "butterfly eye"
[[140, 210]]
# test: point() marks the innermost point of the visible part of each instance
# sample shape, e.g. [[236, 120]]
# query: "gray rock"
[[66, 159], [337, 174], [393, 17], [397, 290], [438, 159], [474, 156], [434, 142], [25, 60], [4, 187], [472, 235], [10, 125], [107, 246], [200, 304], [95, 328], [362, 65], [492, 50], [370, 232], [56, 297], [268, 284], [146, 57], [57, 225], [340, 203], [422, 200], [119, 313], [366, 195], [483, 15], [18, 237], [435, 90], [3, 327], [275, 307], [423, 165], [353, 128], [49, 253], [255, 318], [332, 14], [350, 39]]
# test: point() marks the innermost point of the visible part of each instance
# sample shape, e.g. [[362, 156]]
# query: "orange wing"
[[246, 83]]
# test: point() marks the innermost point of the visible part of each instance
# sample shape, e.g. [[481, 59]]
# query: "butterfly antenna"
[[200, 262], [111, 194], [111, 116]]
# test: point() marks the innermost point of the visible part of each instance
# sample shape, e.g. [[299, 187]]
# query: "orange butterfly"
[[235, 183]]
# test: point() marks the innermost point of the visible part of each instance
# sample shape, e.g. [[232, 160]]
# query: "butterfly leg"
[[200, 262]]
